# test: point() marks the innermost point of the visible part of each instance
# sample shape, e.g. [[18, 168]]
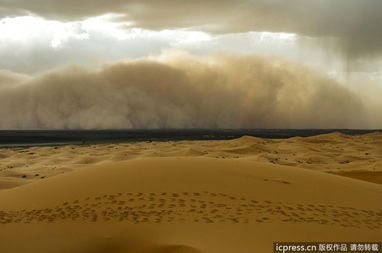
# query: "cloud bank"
[[178, 90], [354, 25]]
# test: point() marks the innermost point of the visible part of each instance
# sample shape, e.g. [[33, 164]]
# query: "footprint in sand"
[[200, 207]]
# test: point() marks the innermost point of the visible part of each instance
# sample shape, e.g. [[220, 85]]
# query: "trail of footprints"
[[199, 207]]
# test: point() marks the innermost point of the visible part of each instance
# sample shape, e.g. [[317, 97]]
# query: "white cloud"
[[31, 44], [23, 29]]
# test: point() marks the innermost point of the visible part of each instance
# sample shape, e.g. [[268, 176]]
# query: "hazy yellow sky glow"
[[337, 40]]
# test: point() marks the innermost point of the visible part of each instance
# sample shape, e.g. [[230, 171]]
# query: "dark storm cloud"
[[182, 91], [353, 24]]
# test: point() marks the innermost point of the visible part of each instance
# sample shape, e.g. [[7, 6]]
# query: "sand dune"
[[335, 153], [180, 204], [191, 196]]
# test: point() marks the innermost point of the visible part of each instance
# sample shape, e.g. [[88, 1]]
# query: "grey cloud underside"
[[353, 24], [181, 91]]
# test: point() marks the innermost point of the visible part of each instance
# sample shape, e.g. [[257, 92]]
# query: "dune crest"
[[335, 153]]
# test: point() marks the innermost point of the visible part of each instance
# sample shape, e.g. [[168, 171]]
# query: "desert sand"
[[191, 196]]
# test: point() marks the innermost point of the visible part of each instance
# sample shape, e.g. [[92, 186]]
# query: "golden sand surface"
[[335, 153], [191, 196]]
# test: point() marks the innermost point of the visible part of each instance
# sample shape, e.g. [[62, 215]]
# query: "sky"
[[122, 64]]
